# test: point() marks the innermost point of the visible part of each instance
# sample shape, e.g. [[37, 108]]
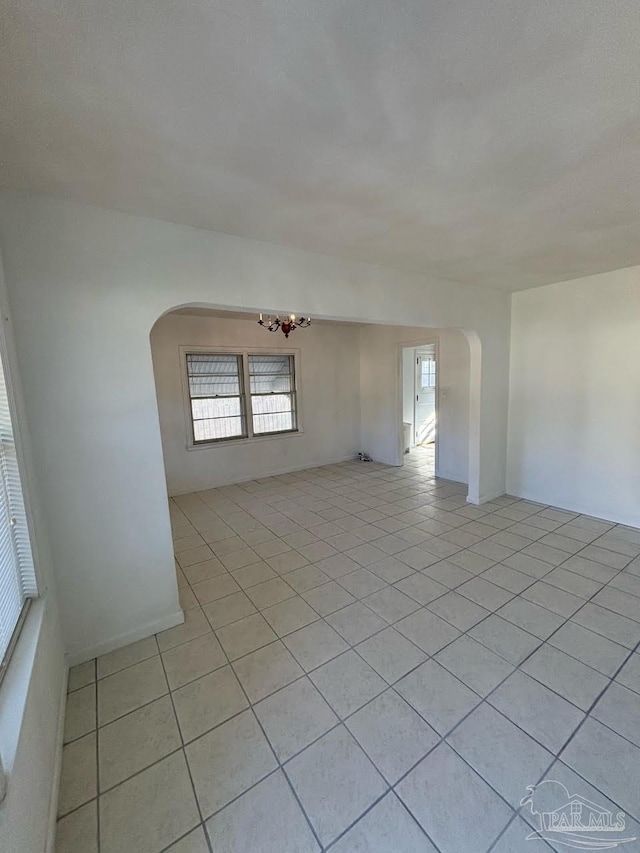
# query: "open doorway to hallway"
[[420, 403]]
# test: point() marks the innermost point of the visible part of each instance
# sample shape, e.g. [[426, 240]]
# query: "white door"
[[425, 406]]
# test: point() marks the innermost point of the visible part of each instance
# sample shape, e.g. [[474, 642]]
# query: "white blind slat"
[[17, 574]]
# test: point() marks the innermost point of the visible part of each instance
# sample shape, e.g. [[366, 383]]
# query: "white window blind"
[[17, 575], [273, 393]]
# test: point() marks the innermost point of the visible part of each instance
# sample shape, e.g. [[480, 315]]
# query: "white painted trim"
[[50, 843], [77, 656], [276, 473], [435, 341], [483, 499]]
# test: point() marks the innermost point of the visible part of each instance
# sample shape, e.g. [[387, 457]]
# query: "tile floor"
[[368, 663]]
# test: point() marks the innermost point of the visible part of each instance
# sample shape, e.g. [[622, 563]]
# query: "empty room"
[[319, 427]]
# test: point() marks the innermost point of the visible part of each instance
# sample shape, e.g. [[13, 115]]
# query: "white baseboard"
[[77, 656], [483, 499], [579, 507], [57, 769]]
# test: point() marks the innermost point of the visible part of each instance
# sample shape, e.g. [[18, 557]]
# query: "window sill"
[[234, 442], [16, 682]]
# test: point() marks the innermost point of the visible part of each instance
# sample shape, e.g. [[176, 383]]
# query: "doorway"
[[420, 401]]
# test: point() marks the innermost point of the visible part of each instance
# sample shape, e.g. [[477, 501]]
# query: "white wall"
[[85, 287], [33, 691], [328, 372], [574, 415], [382, 394]]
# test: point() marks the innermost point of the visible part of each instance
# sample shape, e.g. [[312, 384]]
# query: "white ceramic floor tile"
[[266, 670], [437, 696], [194, 842], [597, 652], [315, 644], [207, 702], [228, 760], [619, 709], [126, 656], [547, 717], [457, 809], [347, 683], [294, 717], [356, 622], [190, 660], [361, 583], [387, 827], [390, 654], [230, 609], [458, 610], [621, 630], [608, 761], [81, 675], [194, 625], [78, 775], [427, 631], [474, 664], [391, 604], [266, 818], [505, 639], [246, 635], [149, 811], [506, 757], [78, 831], [392, 734], [328, 598], [136, 741], [130, 688], [335, 782], [289, 615], [80, 718], [629, 675], [565, 675]]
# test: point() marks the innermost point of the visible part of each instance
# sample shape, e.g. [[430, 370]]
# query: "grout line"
[[184, 755]]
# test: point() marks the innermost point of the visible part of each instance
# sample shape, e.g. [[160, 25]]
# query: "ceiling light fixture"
[[287, 325]]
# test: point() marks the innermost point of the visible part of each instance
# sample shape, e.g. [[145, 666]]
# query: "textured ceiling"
[[495, 143]]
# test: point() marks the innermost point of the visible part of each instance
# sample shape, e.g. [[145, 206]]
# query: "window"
[[221, 410], [272, 384], [17, 574], [216, 394], [427, 373]]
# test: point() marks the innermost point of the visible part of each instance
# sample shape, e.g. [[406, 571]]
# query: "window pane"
[[271, 403], [213, 428], [270, 373], [277, 422], [270, 383], [218, 407], [212, 374]]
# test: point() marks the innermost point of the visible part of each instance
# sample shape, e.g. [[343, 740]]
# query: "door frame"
[[435, 342]]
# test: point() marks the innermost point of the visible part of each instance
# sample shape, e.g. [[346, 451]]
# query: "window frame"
[[293, 394], [241, 396], [244, 354], [25, 513], [431, 373]]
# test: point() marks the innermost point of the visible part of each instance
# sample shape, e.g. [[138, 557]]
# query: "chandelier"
[[286, 325]]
